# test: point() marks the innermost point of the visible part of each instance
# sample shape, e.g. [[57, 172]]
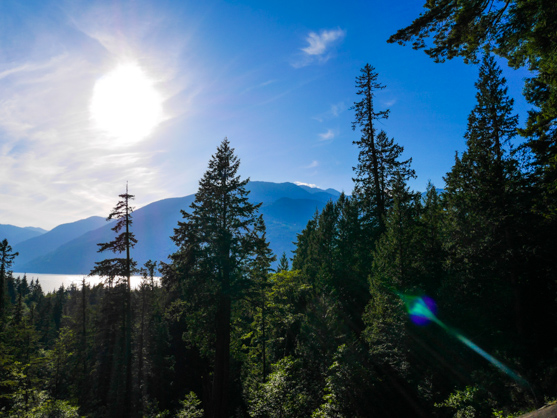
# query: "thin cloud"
[[258, 86], [334, 112], [51, 157], [337, 109], [327, 136], [319, 47], [313, 164]]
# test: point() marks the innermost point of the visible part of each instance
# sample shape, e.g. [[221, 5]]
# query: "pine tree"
[[6, 260], [493, 237], [368, 171], [120, 270], [283, 264], [217, 244]]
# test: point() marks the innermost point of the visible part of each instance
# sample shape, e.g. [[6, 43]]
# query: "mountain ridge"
[[286, 208]]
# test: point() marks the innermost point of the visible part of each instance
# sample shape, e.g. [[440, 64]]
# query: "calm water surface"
[[52, 282]]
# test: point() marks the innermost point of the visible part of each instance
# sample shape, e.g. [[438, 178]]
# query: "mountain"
[[15, 234], [44, 243], [314, 190], [286, 209]]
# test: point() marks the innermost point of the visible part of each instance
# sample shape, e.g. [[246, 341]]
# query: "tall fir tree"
[[496, 246], [218, 243], [119, 270], [368, 171], [379, 162], [6, 260]]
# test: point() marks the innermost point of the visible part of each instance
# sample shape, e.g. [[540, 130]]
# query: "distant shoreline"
[[52, 282]]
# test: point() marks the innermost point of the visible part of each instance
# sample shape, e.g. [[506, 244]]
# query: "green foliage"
[[41, 405], [287, 393], [190, 407], [462, 401], [351, 386]]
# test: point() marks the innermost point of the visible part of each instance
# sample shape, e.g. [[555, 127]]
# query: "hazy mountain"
[[16, 234], [314, 190], [286, 209], [45, 243]]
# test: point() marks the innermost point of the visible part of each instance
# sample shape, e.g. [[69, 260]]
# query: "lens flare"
[[422, 311]]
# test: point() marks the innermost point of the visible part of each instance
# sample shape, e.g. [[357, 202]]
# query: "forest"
[[394, 303]]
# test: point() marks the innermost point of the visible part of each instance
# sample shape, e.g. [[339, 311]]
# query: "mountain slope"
[[286, 209], [152, 225], [15, 234], [45, 243]]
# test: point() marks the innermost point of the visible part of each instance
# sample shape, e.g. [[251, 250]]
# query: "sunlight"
[[126, 105]]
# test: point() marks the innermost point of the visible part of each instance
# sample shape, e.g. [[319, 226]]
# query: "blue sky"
[[275, 77]]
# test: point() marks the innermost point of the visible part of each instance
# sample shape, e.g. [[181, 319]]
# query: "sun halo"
[[125, 105]]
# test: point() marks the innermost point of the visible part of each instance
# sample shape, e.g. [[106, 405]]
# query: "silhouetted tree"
[[6, 260], [117, 269]]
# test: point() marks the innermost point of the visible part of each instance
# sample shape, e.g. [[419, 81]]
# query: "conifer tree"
[[218, 242], [378, 160], [120, 269], [6, 260], [283, 264], [368, 177], [482, 198]]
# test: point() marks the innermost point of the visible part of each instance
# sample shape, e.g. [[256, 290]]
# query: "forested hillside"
[[393, 303]]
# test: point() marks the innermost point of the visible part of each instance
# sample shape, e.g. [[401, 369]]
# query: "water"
[[52, 282]]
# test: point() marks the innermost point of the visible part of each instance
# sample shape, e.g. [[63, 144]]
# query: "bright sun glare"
[[126, 105]]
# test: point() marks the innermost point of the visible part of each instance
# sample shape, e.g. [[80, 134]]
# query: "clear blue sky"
[[275, 77]]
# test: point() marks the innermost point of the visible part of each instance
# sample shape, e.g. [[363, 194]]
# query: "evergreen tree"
[[482, 199], [6, 260], [283, 264], [217, 244], [368, 186], [523, 32], [120, 269]]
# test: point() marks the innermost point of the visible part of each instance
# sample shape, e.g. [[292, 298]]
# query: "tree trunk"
[[222, 359]]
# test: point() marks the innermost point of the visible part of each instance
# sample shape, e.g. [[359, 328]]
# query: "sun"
[[126, 105]]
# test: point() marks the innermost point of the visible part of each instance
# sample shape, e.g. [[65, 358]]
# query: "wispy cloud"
[[51, 157], [313, 164], [55, 166], [319, 47], [389, 103], [327, 136], [337, 109], [258, 86], [334, 112]]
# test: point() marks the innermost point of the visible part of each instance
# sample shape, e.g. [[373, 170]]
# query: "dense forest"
[[394, 302]]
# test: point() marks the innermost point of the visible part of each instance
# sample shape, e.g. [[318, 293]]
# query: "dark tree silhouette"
[[118, 269], [6, 260]]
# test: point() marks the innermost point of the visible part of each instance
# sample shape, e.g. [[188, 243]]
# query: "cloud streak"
[[55, 166], [327, 136], [319, 47]]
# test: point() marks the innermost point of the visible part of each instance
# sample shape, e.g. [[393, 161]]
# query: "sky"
[[94, 94]]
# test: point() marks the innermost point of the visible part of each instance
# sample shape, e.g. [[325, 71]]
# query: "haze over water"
[[52, 282]]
